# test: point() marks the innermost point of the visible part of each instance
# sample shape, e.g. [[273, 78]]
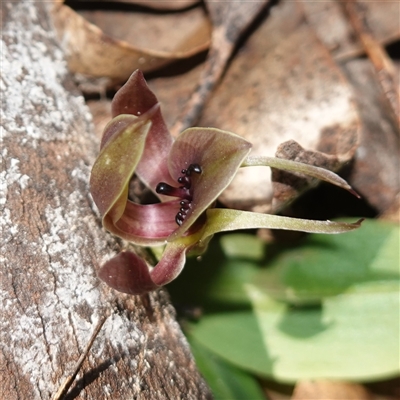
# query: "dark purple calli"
[[187, 175]]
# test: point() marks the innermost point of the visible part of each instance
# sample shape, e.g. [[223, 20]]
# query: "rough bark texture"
[[52, 243]]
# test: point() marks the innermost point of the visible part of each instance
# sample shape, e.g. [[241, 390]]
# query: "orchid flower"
[[187, 175]]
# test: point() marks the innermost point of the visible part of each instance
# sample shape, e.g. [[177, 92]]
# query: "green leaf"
[[225, 380], [243, 246], [237, 338], [352, 336], [327, 265], [320, 266], [340, 314]]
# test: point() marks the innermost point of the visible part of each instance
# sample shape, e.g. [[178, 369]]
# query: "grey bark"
[[52, 242]]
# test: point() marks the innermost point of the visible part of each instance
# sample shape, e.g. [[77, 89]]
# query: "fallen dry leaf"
[[160, 4], [174, 91], [332, 390], [375, 173], [288, 186], [155, 41], [282, 85], [386, 73], [229, 20], [175, 34], [392, 213], [331, 25]]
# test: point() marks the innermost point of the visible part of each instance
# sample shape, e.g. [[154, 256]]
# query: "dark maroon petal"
[[136, 98], [218, 154], [127, 273], [122, 150], [171, 263], [145, 225]]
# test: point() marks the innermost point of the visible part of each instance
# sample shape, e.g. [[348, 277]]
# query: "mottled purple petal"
[[145, 225], [122, 151], [136, 98], [116, 164], [128, 273], [171, 263], [218, 153]]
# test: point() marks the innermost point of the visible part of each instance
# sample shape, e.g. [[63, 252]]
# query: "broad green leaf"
[[320, 266], [225, 380], [243, 246], [352, 336], [327, 265], [346, 287], [237, 338]]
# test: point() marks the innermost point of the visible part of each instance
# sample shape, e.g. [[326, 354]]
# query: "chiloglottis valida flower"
[[187, 175]]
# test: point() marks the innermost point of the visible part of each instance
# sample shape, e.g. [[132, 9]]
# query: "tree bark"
[[52, 243]]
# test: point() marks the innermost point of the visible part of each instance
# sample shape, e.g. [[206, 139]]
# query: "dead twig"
[[63, 389], [382, 63]]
